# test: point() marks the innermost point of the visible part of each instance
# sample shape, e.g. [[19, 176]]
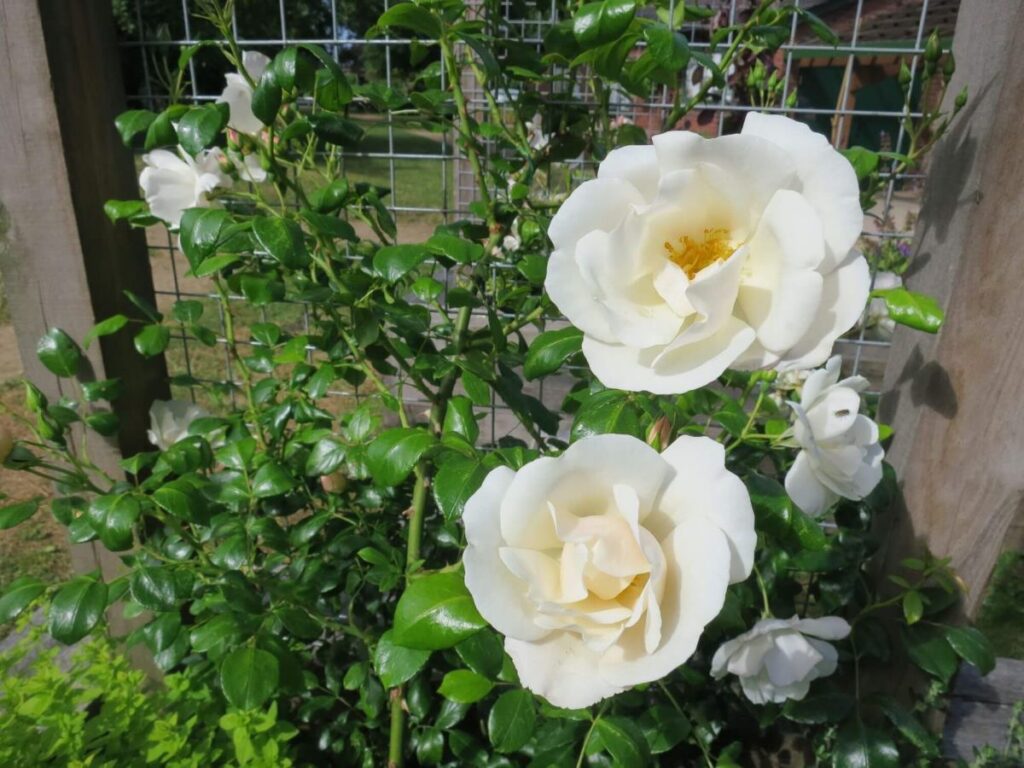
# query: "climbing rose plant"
[[675, 565]]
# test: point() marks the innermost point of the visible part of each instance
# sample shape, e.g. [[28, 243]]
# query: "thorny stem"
[[243, 370]]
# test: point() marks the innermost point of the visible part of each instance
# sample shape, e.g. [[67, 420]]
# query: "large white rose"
[[237, 94], [687, 257], [779, 658], [841, 455], [602, 566], [173, 182], [169, 421]]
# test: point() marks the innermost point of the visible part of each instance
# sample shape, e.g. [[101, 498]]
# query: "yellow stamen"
[[691, 256]]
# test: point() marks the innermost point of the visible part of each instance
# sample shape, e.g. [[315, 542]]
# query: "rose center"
[[692, 255]]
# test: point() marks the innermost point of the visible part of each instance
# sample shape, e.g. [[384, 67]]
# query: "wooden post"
[[955, 399], [66, 265]]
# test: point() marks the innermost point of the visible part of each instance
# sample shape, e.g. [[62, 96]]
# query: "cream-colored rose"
[[779, 658], [169, 421], [841, 455], [237, 94], [602, 566], [694, 255], [173, 182]]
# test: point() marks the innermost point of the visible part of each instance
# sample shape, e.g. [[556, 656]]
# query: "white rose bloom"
[[169, 421], [687, 257], [841, 455], [248, 167], [237, 94], [173, 182], [535, 132], [877, 315], [602, 566], [778, 659]]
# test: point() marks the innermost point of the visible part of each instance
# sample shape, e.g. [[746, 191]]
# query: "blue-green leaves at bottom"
[[249, 676], [436, 611], [914, 310]]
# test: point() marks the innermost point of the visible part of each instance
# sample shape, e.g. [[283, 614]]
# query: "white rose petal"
[[237, 94], [695, 255], [602, 566], [779, 658], [169, 421], [841, 455], [173, 182]]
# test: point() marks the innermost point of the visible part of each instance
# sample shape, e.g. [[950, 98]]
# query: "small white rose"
[[877, 315], [535, 132], [510, 243], [841, 455], [6, 443], [248, 166], [169, 421], [173, 182], [237, 94], [693, 255], [602, 566], [779, 659]]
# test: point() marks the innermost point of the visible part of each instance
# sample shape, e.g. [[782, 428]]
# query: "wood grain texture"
[[954, 399], [64, 263], [981, 708]]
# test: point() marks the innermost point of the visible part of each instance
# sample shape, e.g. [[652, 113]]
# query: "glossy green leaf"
[[550, 350], [972, 646], [16, 514], [327, 455], [59, 353], [105, 328], [915, 310], [394, 453], [456, 480], [283, 240], [335, 129], [664, 727], [624, 741], [413, 18], [76, 609], [395, 261], [17, 596], [860, 746], [152, 340], [249, 676], [272, 479], [459, 418], [512, 720], [819, 708], [464, 686], [607, 412], [266, 98], [483, 653], [602, 22], [200, 126], [435, 612], [133, 122], [113, 517], [395, 664], [159, 588], [931, 651]]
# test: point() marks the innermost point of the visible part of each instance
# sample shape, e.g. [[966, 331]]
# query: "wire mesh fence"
[[849, 92]]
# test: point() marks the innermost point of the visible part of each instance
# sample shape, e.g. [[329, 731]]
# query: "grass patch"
[[1002, 613]]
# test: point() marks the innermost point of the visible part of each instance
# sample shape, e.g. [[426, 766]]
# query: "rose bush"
[[382, 578]]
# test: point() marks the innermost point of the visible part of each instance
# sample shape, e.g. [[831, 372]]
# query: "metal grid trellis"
[[873, 35]]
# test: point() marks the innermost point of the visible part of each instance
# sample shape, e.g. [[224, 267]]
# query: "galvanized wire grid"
[[456, 188]]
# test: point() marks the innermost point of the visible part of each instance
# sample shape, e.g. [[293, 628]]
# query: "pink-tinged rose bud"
[[336, 482], [660, 433], [6, 444]]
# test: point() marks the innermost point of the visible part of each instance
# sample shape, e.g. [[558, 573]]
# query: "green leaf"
[[293, 69], [161, 131], [609, 411], [464, 686], [201, 231], [913, 606], [16, 514], [914, 310], [667, 47], [58, 352], [623, 741], [152, 340], [158, 588], [283, 240], [395, 664], [181, 499], [272, 480], [779, 516], [266, 98], [394, 261], [455, 248], [664, 727], [219, 632], [133, 122], [18, 596], [76, 608], [456, 480], [113, 517], [931, 651], [512, 721], [909, 726], [105, 423], [550, 350], [326, 456], [459, 418], [135, 211], [200, 127], [435, 612], [393, 454], [972, 646], [820, 28], [819, 708], [483, 653], [863, 160], [105, 328], [858, 746], [335, 129], [597, 23], [249, 676], [413, 18]]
